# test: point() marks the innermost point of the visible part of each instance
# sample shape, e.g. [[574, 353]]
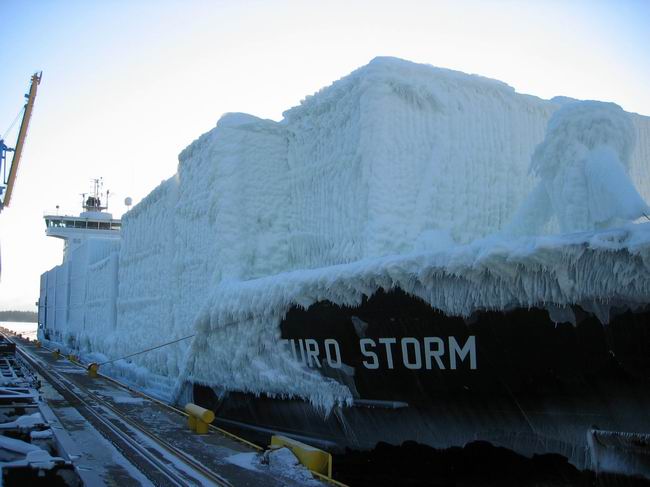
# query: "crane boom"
[[18, 151]]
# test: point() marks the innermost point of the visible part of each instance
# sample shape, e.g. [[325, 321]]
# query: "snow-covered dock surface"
[[102, 463], [452, 187]]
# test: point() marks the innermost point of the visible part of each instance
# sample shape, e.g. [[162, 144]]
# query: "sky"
[[128, 84]]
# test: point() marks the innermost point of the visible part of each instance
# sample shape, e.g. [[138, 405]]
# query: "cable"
[[163, 345], [20, 112], [147, 350]]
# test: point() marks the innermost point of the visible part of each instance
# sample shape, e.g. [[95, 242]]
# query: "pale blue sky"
[[128, 84]]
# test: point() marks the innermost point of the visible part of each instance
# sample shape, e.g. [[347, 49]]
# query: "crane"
[[9, 180]]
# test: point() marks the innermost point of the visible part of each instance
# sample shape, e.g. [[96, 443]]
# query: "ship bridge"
[[93, 223], [59, 226], [75, 230]]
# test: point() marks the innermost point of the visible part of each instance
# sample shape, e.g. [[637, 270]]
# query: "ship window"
[[79, 224], [104, 225], [115, 226], [68, 224], [94, 225]]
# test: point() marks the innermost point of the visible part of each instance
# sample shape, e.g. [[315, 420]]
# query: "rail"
[[211, 427], [95, 409]]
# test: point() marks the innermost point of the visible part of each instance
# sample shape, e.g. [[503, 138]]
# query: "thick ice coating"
[[398, 175], [583, 166]]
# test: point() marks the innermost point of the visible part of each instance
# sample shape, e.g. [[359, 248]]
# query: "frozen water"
[[398, 175], [582, 165]]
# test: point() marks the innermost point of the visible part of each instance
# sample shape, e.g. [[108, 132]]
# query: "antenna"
[[94, 201]]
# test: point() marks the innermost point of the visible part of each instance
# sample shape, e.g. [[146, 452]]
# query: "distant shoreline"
[[19, 316]]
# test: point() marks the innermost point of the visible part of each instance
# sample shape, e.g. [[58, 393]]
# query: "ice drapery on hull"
[[583, 166], [513, 378], [398, 175]]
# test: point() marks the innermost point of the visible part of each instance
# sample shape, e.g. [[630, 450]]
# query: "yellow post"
[[92, 370], [198, 418], [72, 358], [56, 354], [314, 459], [38, 344], [201, 426]]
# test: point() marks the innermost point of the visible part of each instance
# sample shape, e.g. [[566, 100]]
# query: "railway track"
[[161, 462]]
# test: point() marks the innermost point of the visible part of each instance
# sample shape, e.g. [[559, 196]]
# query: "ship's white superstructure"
[[92, 223]]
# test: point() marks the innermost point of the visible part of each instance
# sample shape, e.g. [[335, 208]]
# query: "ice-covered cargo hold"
[[426, 254]]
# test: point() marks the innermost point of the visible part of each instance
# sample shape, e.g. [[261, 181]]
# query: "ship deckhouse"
[[93, 222]]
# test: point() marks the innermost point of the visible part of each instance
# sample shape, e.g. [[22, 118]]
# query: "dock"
[[113, 435]]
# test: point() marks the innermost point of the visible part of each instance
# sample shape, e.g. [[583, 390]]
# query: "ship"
[[412, 254]]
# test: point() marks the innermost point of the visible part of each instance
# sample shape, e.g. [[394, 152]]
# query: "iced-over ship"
[[411, 254]]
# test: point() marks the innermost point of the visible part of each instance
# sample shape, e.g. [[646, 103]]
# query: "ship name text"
[[421, 353]]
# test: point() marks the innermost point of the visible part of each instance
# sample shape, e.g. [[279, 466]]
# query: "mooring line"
[[147, 350]]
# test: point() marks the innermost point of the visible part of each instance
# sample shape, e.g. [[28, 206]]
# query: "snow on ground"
[[24, 422], [450, 186], [280, 462]]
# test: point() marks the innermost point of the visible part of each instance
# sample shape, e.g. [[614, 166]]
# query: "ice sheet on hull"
[[391, 177], [582, 166], [232, 213], [147, 289], [382, 156], [80, 293], [598, 271]]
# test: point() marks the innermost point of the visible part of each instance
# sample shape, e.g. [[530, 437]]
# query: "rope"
[[20, 112], [148, 349], [163, 345]]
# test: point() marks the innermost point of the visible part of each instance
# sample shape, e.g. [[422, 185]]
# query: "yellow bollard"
[[72, 358], [198, 418], [56, 354], [201, 427], [93, 369], [314, 459]]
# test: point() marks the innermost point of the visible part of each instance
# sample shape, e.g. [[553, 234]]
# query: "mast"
[[18, 151]]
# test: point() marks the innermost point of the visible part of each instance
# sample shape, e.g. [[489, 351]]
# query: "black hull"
[[514, 379]]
